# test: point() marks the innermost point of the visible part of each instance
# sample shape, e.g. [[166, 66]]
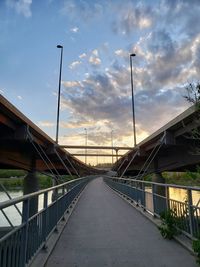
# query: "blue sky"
[[98, 37]]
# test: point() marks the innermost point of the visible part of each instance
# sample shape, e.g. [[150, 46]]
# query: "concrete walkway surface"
[[104, 230]]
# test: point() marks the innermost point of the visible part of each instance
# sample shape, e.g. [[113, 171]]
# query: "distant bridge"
[[115, 148]]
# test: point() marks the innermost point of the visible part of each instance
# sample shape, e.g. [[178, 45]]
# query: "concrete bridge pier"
[[159, 198], [55, 191], [158, 178], [30, 185]]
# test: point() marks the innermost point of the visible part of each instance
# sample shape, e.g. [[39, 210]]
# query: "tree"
[[193, 94], [193, 97]]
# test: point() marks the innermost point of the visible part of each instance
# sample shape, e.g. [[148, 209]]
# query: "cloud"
[[82, 9], [166, 60], [19, 97], [97, 105], [21, 6], [154, 109], [95, 52], [161, 43], [121, 53], [75, 29], [132, 17], [83, 55], [46, 124], [94, 60], [76, 124], [74, 64], [70, 83]]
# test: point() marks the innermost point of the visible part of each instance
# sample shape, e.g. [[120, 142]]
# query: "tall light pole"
[[112, 144], [59, 87], [133, 104], [86, 137]]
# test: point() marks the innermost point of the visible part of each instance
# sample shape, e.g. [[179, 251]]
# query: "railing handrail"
[[8, 203], [154, 183]]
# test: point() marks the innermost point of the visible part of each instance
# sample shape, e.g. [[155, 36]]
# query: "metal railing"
[[157, 198], [18, 247]]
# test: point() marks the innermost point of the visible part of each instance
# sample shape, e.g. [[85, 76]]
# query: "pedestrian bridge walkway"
[[104, 230]]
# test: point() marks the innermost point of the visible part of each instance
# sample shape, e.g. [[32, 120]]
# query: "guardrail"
[[18, 247], [156, 198]]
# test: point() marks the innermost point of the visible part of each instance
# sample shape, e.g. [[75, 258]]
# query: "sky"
[[97, 39]]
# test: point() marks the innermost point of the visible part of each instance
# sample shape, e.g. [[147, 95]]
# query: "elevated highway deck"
[[21, 139], [174, 147]]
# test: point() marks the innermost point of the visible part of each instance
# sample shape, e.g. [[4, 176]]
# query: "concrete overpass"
[[174, 147], [23, 145], [18, 134]]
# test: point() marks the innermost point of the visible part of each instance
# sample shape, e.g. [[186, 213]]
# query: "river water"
[[15, 218], [12, 212]]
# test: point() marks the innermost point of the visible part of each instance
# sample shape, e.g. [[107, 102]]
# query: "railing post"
[[24, 238], [63, 190], [56, 215], [63, 203], [167, 198], [143, 197], [136, 195], [154, 201], [190, 211], [45, 225]]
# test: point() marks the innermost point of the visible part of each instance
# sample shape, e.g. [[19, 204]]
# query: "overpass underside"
[[174, 147], [25, 146]]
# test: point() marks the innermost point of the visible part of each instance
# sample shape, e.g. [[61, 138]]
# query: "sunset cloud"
[[74, 64]]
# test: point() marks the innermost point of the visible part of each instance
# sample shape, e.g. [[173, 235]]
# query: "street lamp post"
[[86, 137], [133, 104], [58, 109]]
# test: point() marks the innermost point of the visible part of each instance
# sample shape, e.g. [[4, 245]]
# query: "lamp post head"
[[132, 55], [59, 46]]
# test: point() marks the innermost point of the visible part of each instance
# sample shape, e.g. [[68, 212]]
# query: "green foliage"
[[12, 183], [44, 181], [17, 183], [196, 248], [183, 178], [193, 94], [12, 173], [168, 226], [148, 178]]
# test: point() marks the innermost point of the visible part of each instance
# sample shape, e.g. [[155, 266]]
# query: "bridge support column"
[[159, 194], [31, 184], [158, 178], [55, 191]]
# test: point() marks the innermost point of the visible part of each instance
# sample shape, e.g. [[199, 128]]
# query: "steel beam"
[[96, 147]]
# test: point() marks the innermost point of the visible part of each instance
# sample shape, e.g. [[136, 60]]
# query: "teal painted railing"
[[20, 245], [155, 198]]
